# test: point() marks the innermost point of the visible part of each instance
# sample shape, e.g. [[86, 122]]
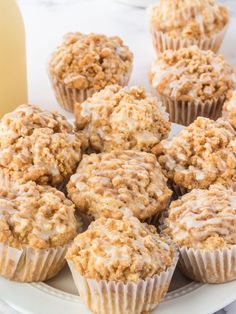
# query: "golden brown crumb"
[[121, 118], [204, 219], [35, 215], [39, 145], [119, 183], [120, 250], [189, 19], [191, 74], [200, 155], [90, 61]]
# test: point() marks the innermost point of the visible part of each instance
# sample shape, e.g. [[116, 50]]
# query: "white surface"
[[34, 300], [46, 21]]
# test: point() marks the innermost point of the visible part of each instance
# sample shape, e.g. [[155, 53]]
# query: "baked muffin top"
[[229, 109], [119, 183], [200, 155], [90, 61], [204, 219], [39, 145], [192, 74], [120, 250], [38, 216], [193, 19], [121, 118]]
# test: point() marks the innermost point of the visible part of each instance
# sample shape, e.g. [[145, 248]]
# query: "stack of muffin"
[[119, 169]]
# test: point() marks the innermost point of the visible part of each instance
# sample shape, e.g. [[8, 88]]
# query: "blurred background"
[[46, 21]]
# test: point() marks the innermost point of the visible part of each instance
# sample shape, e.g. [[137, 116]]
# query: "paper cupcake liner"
[[31, 265], [106, 297], [162, 41], [178, 190], [185, 112], [153, 220], [67, 97], [217, 266]]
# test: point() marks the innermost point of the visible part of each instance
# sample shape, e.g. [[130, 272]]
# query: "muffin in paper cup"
[[116, 297], [194, 158], [202, 225], [81, 66], [133, 120], [162, 41], [120, 183], [37, 223], [121, 291], [208, 266], [38, 145], [68, 97], [28, 264], [192, 82], [185, 112], [176, 24]]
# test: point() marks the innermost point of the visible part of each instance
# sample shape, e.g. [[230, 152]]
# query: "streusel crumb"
[[191, 74], [200, 155], [38, 216], [189, 19], [119, 183], [229, 109], [90, 61], [121, 118], [120, 250], [204, 219], [39, 145]]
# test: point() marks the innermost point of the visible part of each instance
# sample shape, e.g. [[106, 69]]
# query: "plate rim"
[[38, 299]]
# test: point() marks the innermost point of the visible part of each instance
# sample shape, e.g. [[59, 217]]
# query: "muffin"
[[175, 24], [36, 225], [39, 145], [202, 154], [119, 183], [191, 82], [203, 225], [84, 64], [121, 266], [121, 118], [229, 109]]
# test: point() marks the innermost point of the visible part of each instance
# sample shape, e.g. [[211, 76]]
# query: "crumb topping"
[[35, 215], [39, 145], [120, 250], [200, 155], [121, 118], [229, 109], [193, 19], [204, 219], [191, 74], [119, 183], [90, 61]]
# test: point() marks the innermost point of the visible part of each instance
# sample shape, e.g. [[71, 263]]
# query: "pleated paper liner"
[[31, 265], [207, 266], [106, 297], [178, 191], [67, 97], [185, 112], [163, 41]]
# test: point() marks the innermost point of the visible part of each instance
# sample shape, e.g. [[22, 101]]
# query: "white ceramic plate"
[[59, 295]]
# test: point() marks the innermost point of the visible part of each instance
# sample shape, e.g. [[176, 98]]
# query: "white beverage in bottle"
[[13, 82]]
